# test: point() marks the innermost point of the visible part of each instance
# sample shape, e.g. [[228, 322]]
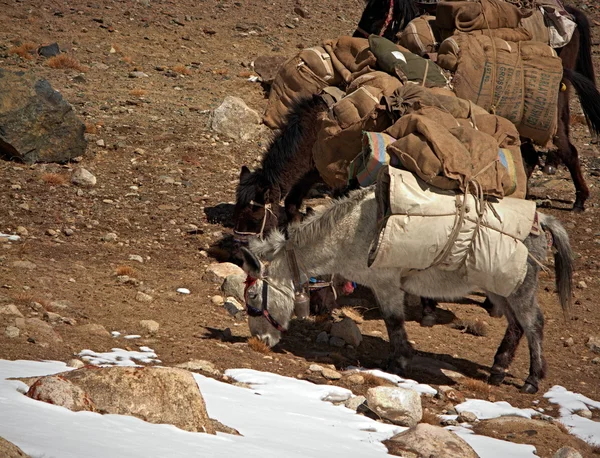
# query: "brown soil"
[[210, 45]]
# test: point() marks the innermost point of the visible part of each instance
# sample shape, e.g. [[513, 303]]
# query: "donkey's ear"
[[245, 171], [252, 265]]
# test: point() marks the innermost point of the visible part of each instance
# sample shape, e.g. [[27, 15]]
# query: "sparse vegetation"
[[351, 313], [54, 179], [478, 387], [474, 327], [372, 380], [65, 61], [91, 128], [138, 92], [258, 345], [182, 70], [24, 51], [126, 270]]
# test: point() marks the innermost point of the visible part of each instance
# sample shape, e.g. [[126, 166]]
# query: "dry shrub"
[[323, 318], [430, 418], [126, 270], [474, 327], [351, 313], [23, 51], [54, 179], [182, 70], [476, 386], [117, 49], [65, 61], [372, 381], [220, 71], [138, 92], [91, 128], [258, 345], [563, 428], [127, 60]]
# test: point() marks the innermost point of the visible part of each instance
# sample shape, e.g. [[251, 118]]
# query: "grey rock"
[[59, 391], [109, 237], [234, 286], [567, 452], [38, 330], [12, 332], [236, 120], [585, 413], [137, 75], [234, 308], [593, 343], [569, 342], [83, 177], [347, 330], [10, 310], [401, 406], [355, 402], [218, 272], [143, 297], [24, 265], [10, 450], [38, 125], [356, 379], [53, 318], [337, 342], [467, 417], [150, 326], [323, 338], [76, 363], [153, 394], [94, 329], [217, 300], [50, 50], [596, 360], [200, 365], [427, 440], [315, 368], [330, 374], [137, 258]]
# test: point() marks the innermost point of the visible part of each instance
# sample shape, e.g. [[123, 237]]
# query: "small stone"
[[581, 284], [217, 300], [82, 177], [94, 329], [22, 231], [200, 365], [137, 75], [449, 423], [330, 374], [10, 310], [355, 402], [137, 258], [12, 332], [467, 417], [51, 232], [399, 405], [347, 330], [356, 379], [234, 308], [68, 232], [76, 363], [100, 143], [52, 317], [593, 343], [24, 206], [150, 326], [234, 286], [24, 265], [236, 120], [569, 342], [110, 237], [183, 291], [337, 342], [596, 361], [567, 452], [585, 413], [143, 297], [323, 338], [447, 392], [315, 368], [218, 272]]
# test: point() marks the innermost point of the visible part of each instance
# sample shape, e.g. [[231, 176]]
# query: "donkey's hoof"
[[496, 379], [428, 321], [529, 388], [549, 170], [578, 207]]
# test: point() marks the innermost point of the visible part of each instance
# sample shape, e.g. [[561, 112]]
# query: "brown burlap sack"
[[339, 138], [449, 153], [350, 56], [421, 35], [467, 16], [518, 81]]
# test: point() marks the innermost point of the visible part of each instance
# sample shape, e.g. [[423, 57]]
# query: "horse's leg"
[[531, 158], [296, 195], [391, 304], [428, 308]]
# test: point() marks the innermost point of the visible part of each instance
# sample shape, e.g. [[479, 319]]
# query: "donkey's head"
[[385, 18], [269, 299], [256, 206]]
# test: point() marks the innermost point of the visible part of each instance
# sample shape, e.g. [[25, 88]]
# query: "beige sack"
[[417, 225]]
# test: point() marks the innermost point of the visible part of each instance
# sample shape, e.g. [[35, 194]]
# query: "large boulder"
[[401, 406], [425, 441], [236, 120], [154, 394], [36, 123], [59, 391], [10, 450]]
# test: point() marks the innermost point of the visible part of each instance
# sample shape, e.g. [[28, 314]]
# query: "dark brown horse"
[[576, 56]]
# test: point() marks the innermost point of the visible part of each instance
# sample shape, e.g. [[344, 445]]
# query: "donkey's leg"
[[299, 191], [391, 304], [531, 158], [506, 351]]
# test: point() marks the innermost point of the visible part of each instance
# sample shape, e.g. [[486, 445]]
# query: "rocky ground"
[[151, 72]]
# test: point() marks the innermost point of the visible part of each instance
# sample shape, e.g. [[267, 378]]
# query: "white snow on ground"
[[570, 403], [401, 382], [120, 357], [486, 409], [278, 416]]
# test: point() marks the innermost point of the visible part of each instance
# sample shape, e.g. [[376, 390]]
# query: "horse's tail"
[[563, 260], [589, 97], [584, 64]]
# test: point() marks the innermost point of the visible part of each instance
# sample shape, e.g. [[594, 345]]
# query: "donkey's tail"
[[563, 260], [589, 97], [584, 63]]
